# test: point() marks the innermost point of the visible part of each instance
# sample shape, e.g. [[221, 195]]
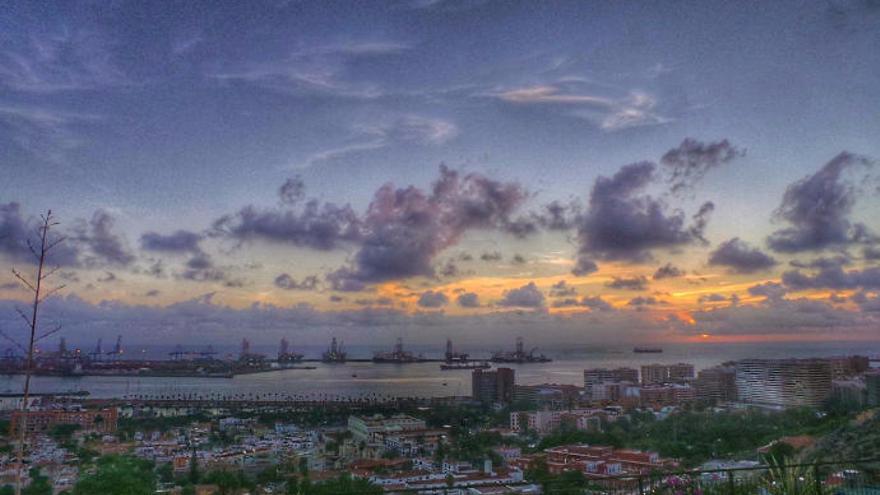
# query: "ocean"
[[425, 379]]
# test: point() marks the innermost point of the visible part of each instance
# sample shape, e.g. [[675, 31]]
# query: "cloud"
[[322, 227], [432, 299], [711, 298], [518, 259], [773, 291], [668, 271], [292, 191], [180, 241], [562, 289], [468, 300], [739, 257], [493, 256], [527, 296], [817, 209], [871, 253], [286, 282], [692, 160], [595, 303], [152, 293], [641, 301], [584, 267], [639, 282], [637, 108], [404, 229], [622, 223], [103, 246], [833, 277]]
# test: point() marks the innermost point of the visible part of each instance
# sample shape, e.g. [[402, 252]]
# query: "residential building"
[[375, 428], [667, 373], [717, 384], [597, 461], [97, 420], [596, 376], [551, 395], [783, 382], [872, 388], [544, 422], [848, 366], [493, 386], [852, 392]]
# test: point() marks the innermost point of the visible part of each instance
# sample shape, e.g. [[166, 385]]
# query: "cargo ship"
[[647, 350], [472, 365]]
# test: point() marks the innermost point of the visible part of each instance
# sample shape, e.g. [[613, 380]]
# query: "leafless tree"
[[37, 287]]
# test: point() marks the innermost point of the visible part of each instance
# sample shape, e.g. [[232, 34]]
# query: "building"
[[667, 373], [493, 386], [670, 394], [872, 388], [597, 461], [376, 428], [543, 422], [551, 395], [717, 384], [610, 391], [596, 376], [848, 366], [783, 382], [852, 392], [97, 420]]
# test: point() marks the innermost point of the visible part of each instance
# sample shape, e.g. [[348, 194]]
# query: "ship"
[[285, 355], [334, 354], [647, 350], [471, 365], [397, 356], [452, 356], [519, 355]]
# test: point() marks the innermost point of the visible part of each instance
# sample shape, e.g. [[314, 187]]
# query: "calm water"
[[426, 379]]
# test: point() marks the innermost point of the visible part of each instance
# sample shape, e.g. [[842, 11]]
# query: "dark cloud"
[[833, 277], [596, 303], [108, 277], [770, 290], [15, 232], [869, 303], [639, 282], [405, 228], [641, 301], [103, 246], [700, 221], [711, 298], [468, 300], [152, 293], [518, 259], [181, 241], [527, 296], [584, 267], [822, 262], [432, 299], [493, 256], [557, 216], [740, 257], [562, 289], [292, 191], [691, 160], [871, 253], [286, 282], [465, 257], [624, 223], [335, 299], [322, 227], [449, 269], [668, 271], [817, 208]]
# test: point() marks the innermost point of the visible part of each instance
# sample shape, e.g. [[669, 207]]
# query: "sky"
[[569, 172]]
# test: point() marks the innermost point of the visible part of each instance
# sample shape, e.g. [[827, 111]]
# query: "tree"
[[47, 244], [40, 485], [118, 475]]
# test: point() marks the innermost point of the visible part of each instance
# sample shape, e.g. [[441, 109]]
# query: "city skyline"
[[440, 169]]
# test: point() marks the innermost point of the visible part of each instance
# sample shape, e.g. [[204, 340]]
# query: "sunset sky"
[[571, 172]]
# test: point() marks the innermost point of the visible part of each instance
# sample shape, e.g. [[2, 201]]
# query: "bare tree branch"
[[50, 292], [49, 333], [13, 341], [23, 280], [23, 315]]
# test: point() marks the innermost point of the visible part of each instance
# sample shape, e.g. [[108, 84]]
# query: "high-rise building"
[[872, 388], [717, 384], [783, 382], [493, 386], [848, 366], [666, 373], [600, 375]]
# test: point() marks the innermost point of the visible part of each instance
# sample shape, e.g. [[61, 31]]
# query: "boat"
[[397, 355], [334, 354], [472, 365], [519, 355], [647, 350]]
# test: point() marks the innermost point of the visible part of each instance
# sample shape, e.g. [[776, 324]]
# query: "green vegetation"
[[344, 485], [118, 475]]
